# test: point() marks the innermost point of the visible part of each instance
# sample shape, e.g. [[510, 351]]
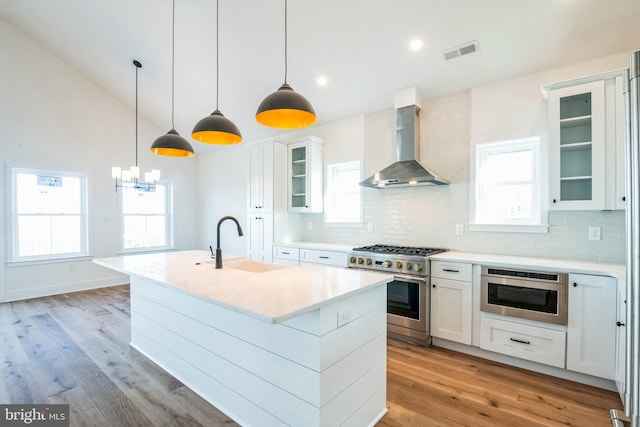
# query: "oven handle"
[[410, 278]]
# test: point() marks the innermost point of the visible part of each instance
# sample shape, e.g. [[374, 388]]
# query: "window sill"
[[510, 228], [146, 250], [41, 261]]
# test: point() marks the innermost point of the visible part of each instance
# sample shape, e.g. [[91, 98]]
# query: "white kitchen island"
[[268, 345]]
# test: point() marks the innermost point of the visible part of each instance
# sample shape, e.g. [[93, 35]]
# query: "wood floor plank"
[[74, 348]]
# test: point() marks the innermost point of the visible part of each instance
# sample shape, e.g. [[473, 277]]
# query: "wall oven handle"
[[520, 341], [451, 270]]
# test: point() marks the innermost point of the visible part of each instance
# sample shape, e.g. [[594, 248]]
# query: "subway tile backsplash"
[[427, 216]]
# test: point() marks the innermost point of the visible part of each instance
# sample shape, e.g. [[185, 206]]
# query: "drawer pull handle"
[[520, 341], [286, 253], [451, 270], [323, 257]]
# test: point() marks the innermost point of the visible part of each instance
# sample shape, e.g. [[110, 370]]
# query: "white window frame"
[[14, 256], [332, 169], [169, 226], [538, 223]]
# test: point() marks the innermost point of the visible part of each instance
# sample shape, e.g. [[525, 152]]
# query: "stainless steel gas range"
[[408, 296]]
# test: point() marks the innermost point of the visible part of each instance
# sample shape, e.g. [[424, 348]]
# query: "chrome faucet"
[[218, 250]]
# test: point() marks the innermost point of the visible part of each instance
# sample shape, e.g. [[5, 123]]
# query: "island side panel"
[[269, 374]]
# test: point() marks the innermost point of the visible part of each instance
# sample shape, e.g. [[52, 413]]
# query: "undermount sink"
[[253, 266]]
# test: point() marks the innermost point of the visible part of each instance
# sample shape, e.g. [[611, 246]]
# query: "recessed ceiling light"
[[415, 44], [321, 81]]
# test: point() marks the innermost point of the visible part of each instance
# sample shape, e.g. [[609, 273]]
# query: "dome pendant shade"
[[172, 144], [286, 109], [216, 129]]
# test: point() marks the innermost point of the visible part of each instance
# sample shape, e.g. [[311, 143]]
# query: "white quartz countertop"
[[557, 265], [271, 292]]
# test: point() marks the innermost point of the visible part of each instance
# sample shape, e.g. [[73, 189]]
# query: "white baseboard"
[[16, 295]]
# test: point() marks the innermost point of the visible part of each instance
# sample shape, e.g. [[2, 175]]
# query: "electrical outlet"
[[309, 226], [344, 317], [594, 233], [370, 227], [459, 229]]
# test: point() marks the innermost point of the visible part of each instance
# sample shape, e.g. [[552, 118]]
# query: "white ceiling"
[[360, 45]]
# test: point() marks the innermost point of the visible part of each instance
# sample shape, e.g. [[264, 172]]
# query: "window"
[[342, 203], [146, 219], [508, 186], [49, 214]]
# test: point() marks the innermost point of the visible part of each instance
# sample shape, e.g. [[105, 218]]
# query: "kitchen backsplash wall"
[[427, 216]]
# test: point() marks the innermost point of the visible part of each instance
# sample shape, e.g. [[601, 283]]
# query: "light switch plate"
[[594, 233]]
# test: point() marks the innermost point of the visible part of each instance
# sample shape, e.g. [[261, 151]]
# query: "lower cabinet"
[[451, 310], [538, 344], [286, 255], [451, 301], [330, 258], [591, 326], [260, 236]]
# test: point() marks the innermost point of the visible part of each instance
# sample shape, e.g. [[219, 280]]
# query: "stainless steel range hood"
[[407, 171]]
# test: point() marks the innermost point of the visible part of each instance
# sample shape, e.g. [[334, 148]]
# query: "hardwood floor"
[[74, 348]]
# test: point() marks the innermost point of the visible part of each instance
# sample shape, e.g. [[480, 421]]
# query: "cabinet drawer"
[[337, 259], [285, 252], [451, 270], [524, 341]]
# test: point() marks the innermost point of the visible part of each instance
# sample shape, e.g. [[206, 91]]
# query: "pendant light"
[[216, 128], [172, 144], [130, 178], [285, 108]]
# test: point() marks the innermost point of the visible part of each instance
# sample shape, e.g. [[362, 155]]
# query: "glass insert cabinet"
[[305, 187], [577, 141]]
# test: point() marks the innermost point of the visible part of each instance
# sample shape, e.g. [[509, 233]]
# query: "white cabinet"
[[305, 172], [260, 232], [586, 141], [523, 340], [577, 142], [621, 341], [265, 165], [591, 325], [286, 255], [330, 258], [267, 215], [451, 301]]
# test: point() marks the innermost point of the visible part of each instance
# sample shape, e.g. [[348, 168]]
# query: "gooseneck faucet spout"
[[218, 250]]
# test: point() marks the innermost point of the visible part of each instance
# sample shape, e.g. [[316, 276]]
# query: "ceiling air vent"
[[461, 50]]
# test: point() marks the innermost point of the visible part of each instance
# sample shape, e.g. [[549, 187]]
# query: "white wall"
[[450, 125], [52, 117], [223, 176]]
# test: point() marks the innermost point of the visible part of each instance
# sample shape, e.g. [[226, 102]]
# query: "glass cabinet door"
[[577, 140], [298, 177]]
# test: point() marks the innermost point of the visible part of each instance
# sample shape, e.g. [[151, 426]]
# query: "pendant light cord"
[[136, 64], [285, 41], [173, 60], [217, 53]]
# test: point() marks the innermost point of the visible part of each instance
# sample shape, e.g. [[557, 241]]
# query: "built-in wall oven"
[[532, 295], [408, 296]]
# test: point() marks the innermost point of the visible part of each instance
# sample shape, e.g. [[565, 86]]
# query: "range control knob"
[[368, 261], [386, 264], [417, 267], [408, 266], [399, 265], [360, 260], [352, 260]]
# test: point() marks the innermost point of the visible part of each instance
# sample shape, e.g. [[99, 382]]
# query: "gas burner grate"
[[399, 250]]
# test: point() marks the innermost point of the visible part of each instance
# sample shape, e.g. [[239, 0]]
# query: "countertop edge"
[[617, 271]]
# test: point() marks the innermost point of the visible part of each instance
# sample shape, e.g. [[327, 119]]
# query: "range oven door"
[[407, 301]]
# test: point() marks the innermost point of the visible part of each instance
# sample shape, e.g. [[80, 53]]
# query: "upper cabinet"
[[305, 172], [586, 141], [266, 166]]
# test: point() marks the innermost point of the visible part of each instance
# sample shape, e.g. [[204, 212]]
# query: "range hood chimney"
[[407, 171]]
